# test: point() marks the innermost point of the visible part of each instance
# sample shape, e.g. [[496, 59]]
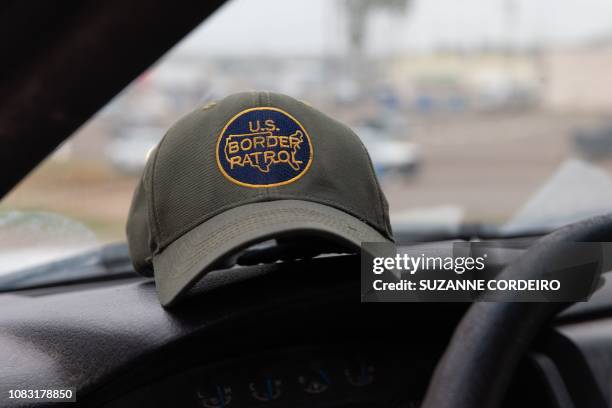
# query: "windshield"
[[490, 112]]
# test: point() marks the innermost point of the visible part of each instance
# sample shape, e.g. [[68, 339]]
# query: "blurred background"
[[481, 111]]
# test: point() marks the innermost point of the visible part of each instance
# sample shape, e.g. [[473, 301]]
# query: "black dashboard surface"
[[109, 339]]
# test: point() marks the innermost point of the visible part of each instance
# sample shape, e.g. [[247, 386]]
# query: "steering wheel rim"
[[478, 365]]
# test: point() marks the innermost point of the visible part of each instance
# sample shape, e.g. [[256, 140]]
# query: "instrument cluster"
[[334, 376]]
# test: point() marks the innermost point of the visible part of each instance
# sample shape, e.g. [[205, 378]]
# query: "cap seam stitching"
[[380, 212], [153, 203]]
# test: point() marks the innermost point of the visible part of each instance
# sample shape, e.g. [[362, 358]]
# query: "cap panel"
[[187, 185], [341, 174]]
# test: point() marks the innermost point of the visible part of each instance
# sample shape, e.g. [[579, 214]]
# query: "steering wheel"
[[487, 345]]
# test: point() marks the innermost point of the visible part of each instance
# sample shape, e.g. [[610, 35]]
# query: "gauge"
[[315, 382], [215, 396], [360, 373], [268, 389]]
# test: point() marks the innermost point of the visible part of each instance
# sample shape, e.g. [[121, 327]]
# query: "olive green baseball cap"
[[252, 167]]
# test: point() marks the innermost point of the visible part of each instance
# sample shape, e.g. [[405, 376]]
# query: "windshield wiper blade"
[[109, 261]]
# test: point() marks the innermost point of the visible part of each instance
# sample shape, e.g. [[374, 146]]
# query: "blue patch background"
[[279, 172]]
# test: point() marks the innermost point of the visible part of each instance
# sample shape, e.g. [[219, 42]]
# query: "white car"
[[129, 151], [389, 154]]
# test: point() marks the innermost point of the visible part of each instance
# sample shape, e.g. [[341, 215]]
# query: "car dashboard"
[[282, 335]]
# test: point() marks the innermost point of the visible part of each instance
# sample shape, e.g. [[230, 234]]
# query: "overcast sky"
[[261, 27]]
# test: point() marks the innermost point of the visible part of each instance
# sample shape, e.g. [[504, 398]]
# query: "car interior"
[[283, 334]]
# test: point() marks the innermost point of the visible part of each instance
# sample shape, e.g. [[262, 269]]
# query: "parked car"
[[390, 153], [129, 151]]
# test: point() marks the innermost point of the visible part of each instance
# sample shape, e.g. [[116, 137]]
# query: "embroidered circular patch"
[[263, 147]]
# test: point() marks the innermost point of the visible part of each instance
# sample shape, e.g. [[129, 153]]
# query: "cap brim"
[[180, 265]]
